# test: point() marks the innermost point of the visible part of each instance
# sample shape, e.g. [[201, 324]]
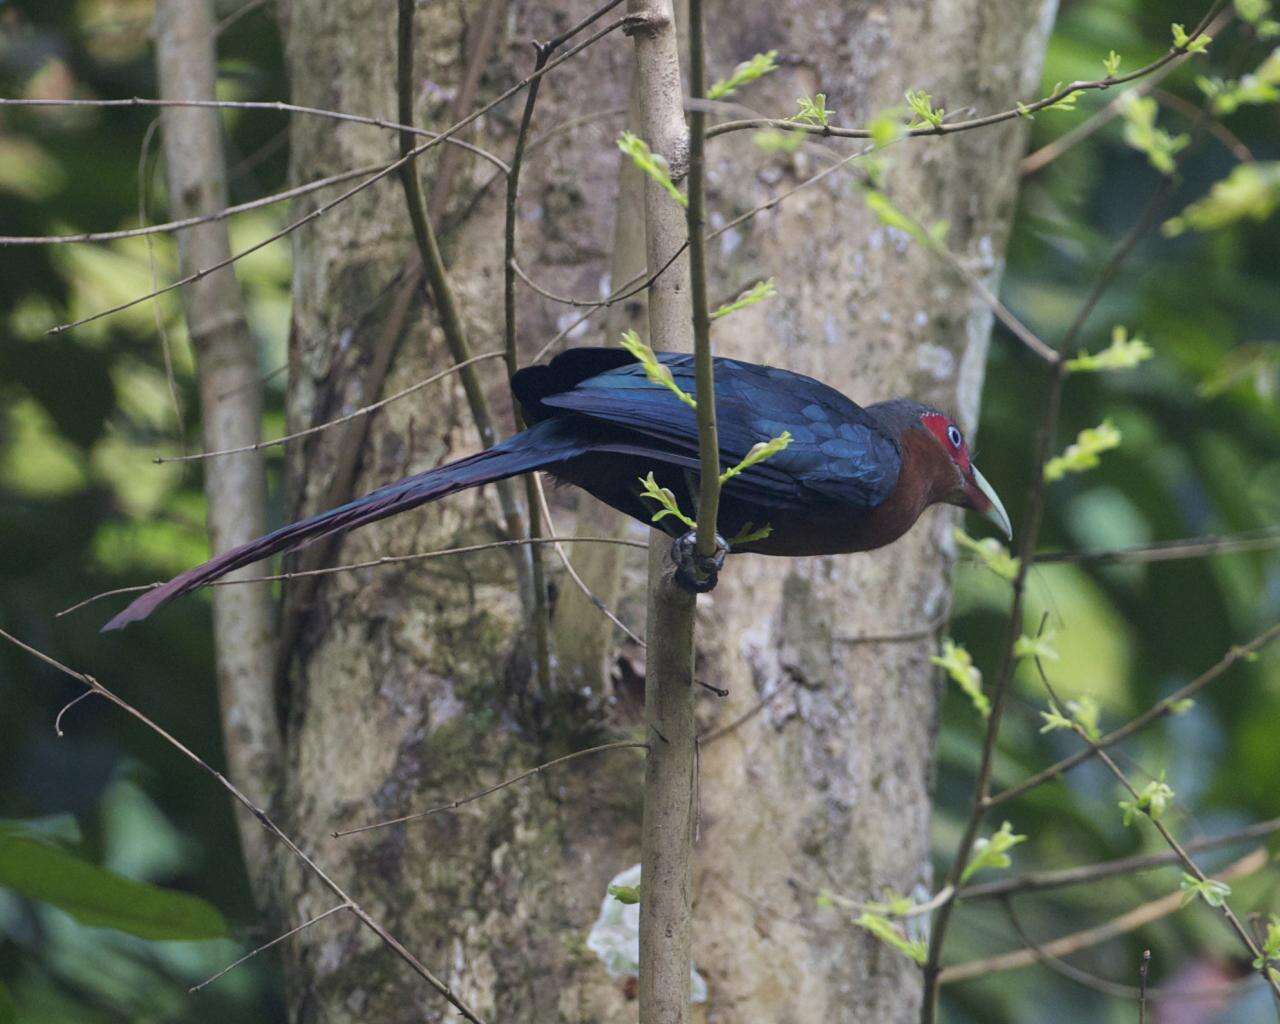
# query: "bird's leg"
[[698, 574]]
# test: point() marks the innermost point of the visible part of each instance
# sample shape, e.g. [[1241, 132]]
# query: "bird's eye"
[[954, 436]]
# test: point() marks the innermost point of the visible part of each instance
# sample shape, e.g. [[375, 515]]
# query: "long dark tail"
[[542, 445]]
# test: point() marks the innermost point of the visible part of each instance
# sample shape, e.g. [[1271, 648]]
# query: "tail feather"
[[542, 445]]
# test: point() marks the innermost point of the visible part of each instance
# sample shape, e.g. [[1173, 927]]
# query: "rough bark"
[[404, 689], [231, 412]]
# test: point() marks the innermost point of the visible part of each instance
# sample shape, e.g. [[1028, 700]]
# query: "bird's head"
[[938, 450], [970, 488]]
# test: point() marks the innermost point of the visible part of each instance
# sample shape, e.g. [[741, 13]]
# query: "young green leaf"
[[758, 452], [958, 664], [1251, 191], [653, 369], [756, 293], [1068, 102], [1189, 44], [886, 129], [1122, 354], [1141, 133], [652, 164], [626, 894], [1152, 800], [1036, 647], [746, 72], [921, 104], [994, 555], [992, 851], [884, 930], [666, 501], [1213, 892], [1083, 454], [813, 110], [1270, 945], [1080, 714], [1111, 64], [750, 533]]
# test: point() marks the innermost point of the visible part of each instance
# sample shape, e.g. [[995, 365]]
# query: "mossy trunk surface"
[[410, 684]]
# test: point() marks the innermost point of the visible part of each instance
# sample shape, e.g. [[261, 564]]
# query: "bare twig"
[[362, 411], [1068, 944], [453, 805], [1041, 881], [377, 176], [1157, 710], [1171, 550], [311, 865], [371, 563], [267, 945]]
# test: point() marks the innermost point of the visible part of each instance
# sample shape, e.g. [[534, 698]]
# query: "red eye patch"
[[949, 436]]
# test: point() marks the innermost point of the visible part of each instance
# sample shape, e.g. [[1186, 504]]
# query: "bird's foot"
[[697, 573]]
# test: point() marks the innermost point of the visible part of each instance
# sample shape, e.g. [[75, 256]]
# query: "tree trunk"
[[406, 687]]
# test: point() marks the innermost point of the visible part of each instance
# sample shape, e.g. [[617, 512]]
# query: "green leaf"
[[653, 164], [1040, 647], [748, 71], [1270, 945], [886, 129], [628, 894], [1111, 64], [666, 500], [1081, 713], [883, 930], [921, 104], [1213, 892], [1141, 133], [1152, 800], [960, 667], [756, 293], [891, 217], [1181, 707], [1250, 191], [750, 533], [1068, 102], [1083, 454], [758, 453], [653, 369], [994, 555], [992, 851], [1259, 87], [813, 110], [41, 871], [1122, 354], [1189, 44]]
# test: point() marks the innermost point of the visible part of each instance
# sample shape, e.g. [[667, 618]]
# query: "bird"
[[850, 479]]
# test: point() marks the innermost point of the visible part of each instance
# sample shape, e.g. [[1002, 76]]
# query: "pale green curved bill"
[[996, 512]]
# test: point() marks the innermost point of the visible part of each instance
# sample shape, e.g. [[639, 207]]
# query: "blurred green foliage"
[[81, 510]]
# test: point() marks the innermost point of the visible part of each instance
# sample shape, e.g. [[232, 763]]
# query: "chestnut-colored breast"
[[927, 476]]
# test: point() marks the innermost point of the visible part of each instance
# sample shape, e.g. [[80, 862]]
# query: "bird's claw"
[[697, 573]]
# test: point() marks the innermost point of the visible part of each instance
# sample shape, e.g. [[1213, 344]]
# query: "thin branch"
[[541, 497], [276, 105], [1041, 881], [950, 128], [532, 485], [1171, 550], [362, 411], [1178, 849], [1157, 710], [1068, 944], [324, 208], [373, 925], [453, 805], [1046, 154], [371, 563], [267, 945], [57, 722]]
